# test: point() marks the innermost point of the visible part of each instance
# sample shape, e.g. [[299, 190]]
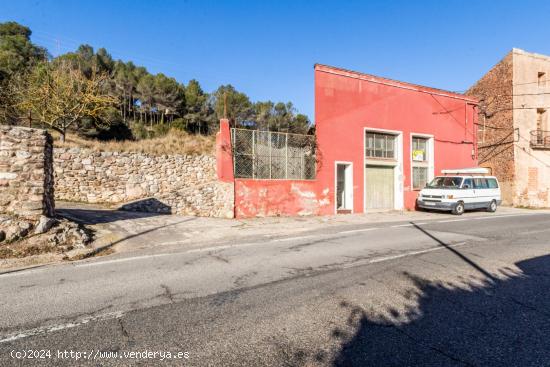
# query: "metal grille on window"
[[420, 177], [380, 145], [419, 152], [273, 155]]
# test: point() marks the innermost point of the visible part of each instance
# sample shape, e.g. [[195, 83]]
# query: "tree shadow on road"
[[501, 321]]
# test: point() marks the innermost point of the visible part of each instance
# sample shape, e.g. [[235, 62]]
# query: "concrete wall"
[[496, 134], [532, 166], [26, 172], [180, 184]]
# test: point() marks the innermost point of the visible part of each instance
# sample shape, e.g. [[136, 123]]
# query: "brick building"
[[514, 130]]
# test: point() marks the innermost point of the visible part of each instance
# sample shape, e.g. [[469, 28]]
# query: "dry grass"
[[175, 142], [25, 250]]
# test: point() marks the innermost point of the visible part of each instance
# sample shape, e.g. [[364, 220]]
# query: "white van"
[[460, 190]]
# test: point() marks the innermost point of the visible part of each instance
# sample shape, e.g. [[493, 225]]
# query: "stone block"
[[8, 175], [23, 154]]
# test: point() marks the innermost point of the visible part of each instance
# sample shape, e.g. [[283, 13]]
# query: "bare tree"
[[61, 95]]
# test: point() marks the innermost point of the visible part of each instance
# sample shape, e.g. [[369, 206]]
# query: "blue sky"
[[267, 49]]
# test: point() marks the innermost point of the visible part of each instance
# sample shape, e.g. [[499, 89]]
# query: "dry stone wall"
[[179, 184], [26, 172]]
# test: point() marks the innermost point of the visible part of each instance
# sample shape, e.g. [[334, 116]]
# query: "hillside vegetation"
[[89, 94]]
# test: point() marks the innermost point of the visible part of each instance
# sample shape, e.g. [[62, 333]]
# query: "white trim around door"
[[398, 197], [348, 185]]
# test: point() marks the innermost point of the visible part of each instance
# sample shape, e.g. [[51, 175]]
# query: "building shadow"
[[135, 210], [501, 321], [148, 205]]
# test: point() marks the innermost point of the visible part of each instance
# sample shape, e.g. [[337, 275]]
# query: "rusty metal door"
[[379, 184]]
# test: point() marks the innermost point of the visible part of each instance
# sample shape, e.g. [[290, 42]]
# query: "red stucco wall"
[[280, 198], [345, 104]]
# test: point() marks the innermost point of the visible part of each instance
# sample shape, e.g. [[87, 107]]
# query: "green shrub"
[[179, 124], [160, 130], [139, 131]]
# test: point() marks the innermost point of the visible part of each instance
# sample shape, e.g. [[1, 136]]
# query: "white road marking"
[[196, 250], [119, 314], [453, 220], [292, 238], [506, 216], [223, 247], [113, 261], [487, 217], [49, 329], [412, 253], [84, 263], [360, 230], [402, 225]]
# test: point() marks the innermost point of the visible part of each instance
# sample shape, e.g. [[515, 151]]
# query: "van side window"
[[480, 183], [493, 184], [468, 182]]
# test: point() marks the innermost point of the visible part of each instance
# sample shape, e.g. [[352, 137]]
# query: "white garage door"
[[379, 181]]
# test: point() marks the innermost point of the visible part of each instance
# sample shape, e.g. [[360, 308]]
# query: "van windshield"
[[445, 182]]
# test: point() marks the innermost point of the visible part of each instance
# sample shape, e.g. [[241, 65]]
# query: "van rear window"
[[493, 184], [480, 183]]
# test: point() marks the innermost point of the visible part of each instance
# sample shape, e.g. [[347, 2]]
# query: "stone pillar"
[[26, 172]]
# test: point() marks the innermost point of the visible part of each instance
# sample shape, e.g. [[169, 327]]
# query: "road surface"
[[465, 291]]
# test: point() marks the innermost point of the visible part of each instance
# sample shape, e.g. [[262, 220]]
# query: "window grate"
[[380, 145], [273, 155]]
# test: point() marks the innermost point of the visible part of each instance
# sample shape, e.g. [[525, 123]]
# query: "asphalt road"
[[452, 292]]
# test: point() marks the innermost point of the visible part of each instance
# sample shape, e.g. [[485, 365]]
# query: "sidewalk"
[[119, 233], [134, 231]]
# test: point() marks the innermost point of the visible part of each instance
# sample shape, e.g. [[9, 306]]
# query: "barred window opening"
[[419, 156], [273, 155], [380, 145]]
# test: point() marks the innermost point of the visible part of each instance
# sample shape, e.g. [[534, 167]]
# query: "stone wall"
[[26, 172], [496, 134], [511, 95], [179, 184]]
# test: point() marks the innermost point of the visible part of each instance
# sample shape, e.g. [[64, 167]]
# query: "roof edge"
[[391, 82], [519, 51]]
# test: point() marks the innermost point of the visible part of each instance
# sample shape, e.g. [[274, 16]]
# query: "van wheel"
[[459, 208], [492, 207]]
